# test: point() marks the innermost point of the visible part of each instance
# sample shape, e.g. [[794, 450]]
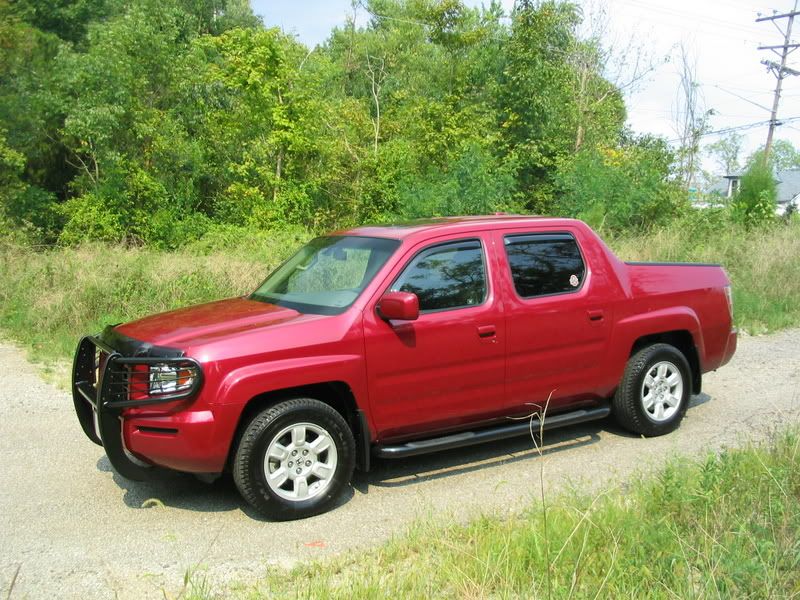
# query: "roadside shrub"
[[90, 218], [754, 203]]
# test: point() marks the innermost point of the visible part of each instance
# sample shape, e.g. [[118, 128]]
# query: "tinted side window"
[[544, 264], [446, 276]]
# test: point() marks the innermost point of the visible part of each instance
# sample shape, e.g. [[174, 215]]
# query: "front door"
[[447, 367]]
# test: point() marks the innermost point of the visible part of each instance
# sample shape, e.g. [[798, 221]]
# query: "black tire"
[[249, 470], [629, 401]]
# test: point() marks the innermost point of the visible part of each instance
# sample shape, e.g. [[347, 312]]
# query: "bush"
[[755, 202]]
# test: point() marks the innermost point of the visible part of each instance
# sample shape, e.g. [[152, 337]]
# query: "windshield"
[[327, 274]]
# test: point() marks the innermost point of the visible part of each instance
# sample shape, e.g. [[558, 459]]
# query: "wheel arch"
[[336, 394], [681, 339]]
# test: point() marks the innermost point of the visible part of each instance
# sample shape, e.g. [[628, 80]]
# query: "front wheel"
[[294, 459], [654, 392]]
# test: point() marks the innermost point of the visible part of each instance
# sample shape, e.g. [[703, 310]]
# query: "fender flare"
[[242, 385], [629, 329]]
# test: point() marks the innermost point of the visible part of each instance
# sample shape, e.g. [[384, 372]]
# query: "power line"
[[741, 128], [693, 17], [741, 97]]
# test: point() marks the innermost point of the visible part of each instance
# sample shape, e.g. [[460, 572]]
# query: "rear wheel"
[[294, 459], [654, 392]]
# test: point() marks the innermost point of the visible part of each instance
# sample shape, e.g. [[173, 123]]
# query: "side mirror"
[[400, 306]]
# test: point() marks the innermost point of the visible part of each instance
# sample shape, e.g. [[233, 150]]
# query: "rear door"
[[446, 368], [557, 328]]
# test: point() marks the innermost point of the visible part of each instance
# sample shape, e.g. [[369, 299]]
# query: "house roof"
[[788, 185], [788, 181]]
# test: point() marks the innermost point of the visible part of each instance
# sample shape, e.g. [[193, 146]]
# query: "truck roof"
[[453, 224]]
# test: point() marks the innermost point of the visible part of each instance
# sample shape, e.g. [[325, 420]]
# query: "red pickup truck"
[[400, 340]]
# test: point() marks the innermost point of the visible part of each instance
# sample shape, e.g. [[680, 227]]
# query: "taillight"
[[729, 297]]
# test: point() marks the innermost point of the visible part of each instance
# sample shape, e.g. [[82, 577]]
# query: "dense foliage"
[[155, 121], [754, 203]]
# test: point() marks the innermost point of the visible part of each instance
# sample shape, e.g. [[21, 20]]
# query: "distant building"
[[788, 181]]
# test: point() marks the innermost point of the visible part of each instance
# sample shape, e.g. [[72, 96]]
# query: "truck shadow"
[[184, 491], [388, 473], [698, 400], [170, 489]]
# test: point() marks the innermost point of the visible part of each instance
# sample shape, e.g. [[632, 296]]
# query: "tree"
[[726, 151], [67, 19], [605, 67], [151, 121], [537, 111], [783, 156], [691, 118], [126, 128], [625, 186]]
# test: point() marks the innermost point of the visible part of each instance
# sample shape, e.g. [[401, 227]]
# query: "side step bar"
[[468, 438]]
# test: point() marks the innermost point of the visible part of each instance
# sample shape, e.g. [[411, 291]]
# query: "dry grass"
[[49, 298], [764, 265]]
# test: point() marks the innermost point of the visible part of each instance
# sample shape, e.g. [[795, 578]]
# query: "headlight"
[[166, 379]]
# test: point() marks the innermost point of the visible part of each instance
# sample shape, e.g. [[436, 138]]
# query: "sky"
[[721, 35]]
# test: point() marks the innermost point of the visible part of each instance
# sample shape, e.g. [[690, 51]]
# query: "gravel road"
[[71, 528]]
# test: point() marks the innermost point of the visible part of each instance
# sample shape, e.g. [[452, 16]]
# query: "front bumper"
[[107, 390]]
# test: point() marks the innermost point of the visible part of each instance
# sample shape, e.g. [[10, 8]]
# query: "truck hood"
[[186, 326]]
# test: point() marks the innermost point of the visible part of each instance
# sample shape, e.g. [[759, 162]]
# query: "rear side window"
[[446, 276], [543, 264]]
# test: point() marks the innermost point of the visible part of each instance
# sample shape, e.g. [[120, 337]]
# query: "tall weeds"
[[50, 297]]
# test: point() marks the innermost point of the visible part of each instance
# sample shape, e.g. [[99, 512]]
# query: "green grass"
[[50, 297], [727, 526]]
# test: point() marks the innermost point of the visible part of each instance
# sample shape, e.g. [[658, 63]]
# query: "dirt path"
[[71, 528]]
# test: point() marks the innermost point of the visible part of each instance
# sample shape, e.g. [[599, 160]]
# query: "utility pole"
[[780, 70]]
